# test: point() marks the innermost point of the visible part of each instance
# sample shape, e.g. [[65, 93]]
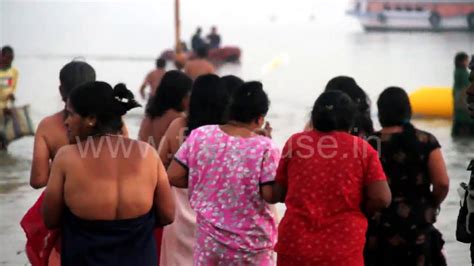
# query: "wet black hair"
[[232, 83], [209, 102], [108, 105], [160, 63], [363, 122], [7, 50], [395, 110], [459, 58], [73, 74], [249, 103], [173, 88], [333, 110], [394, 107]]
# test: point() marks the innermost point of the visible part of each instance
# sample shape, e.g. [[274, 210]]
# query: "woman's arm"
[[41, 161], [173, 137], [273, 193], [177, 175], [144, 132], [378, 197], [53, 202], [164, 201], [438, 176]]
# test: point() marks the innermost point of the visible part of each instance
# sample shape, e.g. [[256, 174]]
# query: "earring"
[[91, 124]]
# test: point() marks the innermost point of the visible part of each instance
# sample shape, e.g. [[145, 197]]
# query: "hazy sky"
[[38, 26]]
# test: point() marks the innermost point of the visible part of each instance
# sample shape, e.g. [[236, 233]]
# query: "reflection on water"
[[10, 185], [13, 171]]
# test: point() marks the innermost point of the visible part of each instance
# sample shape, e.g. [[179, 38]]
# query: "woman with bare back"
[[105, 191]]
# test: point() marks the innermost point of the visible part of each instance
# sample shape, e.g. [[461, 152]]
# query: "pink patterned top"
[[225, 174]]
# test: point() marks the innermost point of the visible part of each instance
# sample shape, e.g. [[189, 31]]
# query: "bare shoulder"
[[144, 146], [146, 122], [209, 64], [51, 122], [66, 153], [177, 125]]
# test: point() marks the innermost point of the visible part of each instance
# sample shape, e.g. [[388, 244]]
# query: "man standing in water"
[[153, 78], [462, 124], [51, 133], [8, 77], [199, 66], [470, 107], [50, 136], [8, 81]]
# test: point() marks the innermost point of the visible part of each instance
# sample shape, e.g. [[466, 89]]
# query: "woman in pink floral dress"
[[229, 171]]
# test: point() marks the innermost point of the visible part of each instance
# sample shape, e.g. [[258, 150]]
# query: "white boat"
[[414, 14]]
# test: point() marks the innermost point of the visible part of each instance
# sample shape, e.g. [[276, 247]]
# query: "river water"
[[294, 49]]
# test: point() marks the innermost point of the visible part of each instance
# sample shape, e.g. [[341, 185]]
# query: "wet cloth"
[[234, 223], [325, 174], [179, 237], [40, 241], [404, 233], [126, 242]]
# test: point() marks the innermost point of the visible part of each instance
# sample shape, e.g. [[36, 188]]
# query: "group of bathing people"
[[198, 185]]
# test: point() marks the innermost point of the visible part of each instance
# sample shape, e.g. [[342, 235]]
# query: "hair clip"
[[329, 107], [122, 100]]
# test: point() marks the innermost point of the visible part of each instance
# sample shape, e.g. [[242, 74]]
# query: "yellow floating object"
[[432, 102]]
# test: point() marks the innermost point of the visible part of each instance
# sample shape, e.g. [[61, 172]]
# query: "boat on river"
[[218, 56], [435, 15]]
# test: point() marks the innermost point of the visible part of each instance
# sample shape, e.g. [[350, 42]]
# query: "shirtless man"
[[153, 78], [199, 66], [51, 133]]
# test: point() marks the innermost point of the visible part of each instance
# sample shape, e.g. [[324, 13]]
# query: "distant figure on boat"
[[153, 78], [214, 38], [199, 66], [197, 42], [462, 124]]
